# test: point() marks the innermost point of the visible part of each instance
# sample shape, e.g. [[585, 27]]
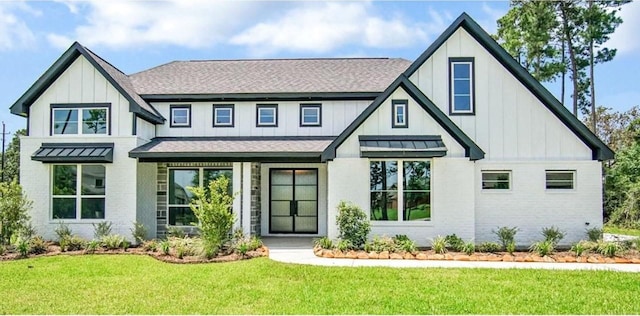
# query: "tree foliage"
[[12, 157], [622, 188], [618, 130], [14, 208]]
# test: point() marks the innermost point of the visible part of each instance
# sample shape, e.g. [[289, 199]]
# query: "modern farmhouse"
[[462, 140]]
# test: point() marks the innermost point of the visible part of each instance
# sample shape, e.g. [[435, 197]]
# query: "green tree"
[[14, 208], [618, 130], [12, 158], [622, 188]]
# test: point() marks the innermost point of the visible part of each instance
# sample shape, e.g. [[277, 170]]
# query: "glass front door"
[[293, 204]]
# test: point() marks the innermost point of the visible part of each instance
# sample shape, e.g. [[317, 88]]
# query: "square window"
[[496, 180], [310, 115], [461, 85], [560, 180], [223, 115], [267, 115], [65, 121], [180, 115], [399, 115], [94, 121], [78, 190]]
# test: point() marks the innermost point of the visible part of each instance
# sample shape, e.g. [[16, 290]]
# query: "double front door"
[[293, 201]]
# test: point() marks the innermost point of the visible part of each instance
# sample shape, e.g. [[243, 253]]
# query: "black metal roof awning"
[[74, 152], [404, 146]]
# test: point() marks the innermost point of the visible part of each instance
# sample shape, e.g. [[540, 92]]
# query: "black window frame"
[[79, 107], [394, 107], [472, 89], [224, 106], [179, 106], [317, 106], [275, 115]]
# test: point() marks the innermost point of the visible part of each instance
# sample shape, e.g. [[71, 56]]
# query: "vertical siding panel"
[[523, 112], [88, 81], [510, 120], [75, 81]]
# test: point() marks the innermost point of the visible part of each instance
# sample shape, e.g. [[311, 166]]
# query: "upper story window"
[[399, 113], [180, 115], [223, 115], [560, 179], [496, 180], [80, 119], [310, 115], [267, 115], [461, 74]]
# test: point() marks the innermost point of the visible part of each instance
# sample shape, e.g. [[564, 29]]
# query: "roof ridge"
[[290, 59]]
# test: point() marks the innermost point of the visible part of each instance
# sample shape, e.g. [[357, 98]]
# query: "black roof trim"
[[400, 137], [20, 107], [600, 150], [472, 150], [263, 159], [74, 152], [403, 154], [303, 97]]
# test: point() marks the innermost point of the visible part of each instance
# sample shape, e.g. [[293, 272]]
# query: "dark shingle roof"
[[270, 76]]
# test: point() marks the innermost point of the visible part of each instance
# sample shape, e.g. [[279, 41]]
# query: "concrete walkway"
[[299, 251]]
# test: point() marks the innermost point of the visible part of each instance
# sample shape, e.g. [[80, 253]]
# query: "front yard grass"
[[130, 284], [622, 231]]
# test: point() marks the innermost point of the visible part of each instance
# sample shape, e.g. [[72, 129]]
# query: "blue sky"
[[136, 35]]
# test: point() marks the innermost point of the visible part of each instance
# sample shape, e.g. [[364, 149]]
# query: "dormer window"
[[267, 115], [399, 114], [461, 85], [80, 119], [180, 115]]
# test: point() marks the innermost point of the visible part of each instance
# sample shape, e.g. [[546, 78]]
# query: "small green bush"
[[176, 232], [139, 233], [242, 244], [28, 231], [72, 243], [595, 234], [582, 247], [552, 234], [14, 210], [635, 243], [506, 235], [190, 247], [404, 244], [62, 231], [454, 242], [344, 245], [323, 242], [22, 246], [101, 230], [212, 207], [439, 244], [165, 246], [380, 244], [543, 248], [150, 245], [511, 247], [92, 246], [113, 242], [37, 245], [609, 248], [489, 246], [469, 248], [353, 224]]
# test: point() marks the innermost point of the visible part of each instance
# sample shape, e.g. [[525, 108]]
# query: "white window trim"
[[215, 116], [80, 122], [509, 174], [573, 181], [200, 183], [173, 116], [400, 192], [78, 196], [395, 114], [453, 92], [275, 116], [314, 108]]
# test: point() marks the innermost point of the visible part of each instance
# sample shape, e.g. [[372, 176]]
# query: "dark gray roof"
[[327, 75], [414, 146], [74, 152], [238, 148]]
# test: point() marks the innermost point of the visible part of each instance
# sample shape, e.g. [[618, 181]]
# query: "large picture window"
[[78, 192], [410, 201], [179, 195], [79, 120]]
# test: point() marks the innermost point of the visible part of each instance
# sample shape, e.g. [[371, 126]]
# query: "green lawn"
[[622, 231], [118, 284]]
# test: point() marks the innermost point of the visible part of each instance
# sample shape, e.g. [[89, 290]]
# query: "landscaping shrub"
[[511, 247], [454, 242], [113, 242], [552, 234], [150, 245], [212, 207], [353, 224], [92, 246], [62, 231], [28, 231], [595, 234], [380, 244], [101, 230], [189, 247], [489, 246], [242, 244], [165, 246], [323, 242], [403, 243], [469, 248], [176, 232], [74, 243], [609, 248], [139, 233], [37, 245], [582, 247], [543, 248], [439, 244], [506, 235], [14, 208], [22, 246], [344, 245]]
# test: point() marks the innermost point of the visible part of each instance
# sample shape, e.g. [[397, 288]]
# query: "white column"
[[237, 191], [246, 198]]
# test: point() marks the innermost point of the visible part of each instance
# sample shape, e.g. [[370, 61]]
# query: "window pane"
[[65, 121], [94, 121], [306, 177], [213, 174], [223, 116], [462, 87], [461, 70], [267, 115], [417, 206], [179, 180], [417, 175], [384, 175], [182, 216], [64, 208], [310, 115], [399, 114], [92, 208], [384, 206], [180, 116], [462, 103], [495, 181], [281, 176], [559, 180], [64, 179], [93, 180]]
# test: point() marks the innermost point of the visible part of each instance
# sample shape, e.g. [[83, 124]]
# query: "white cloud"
[[14, 32], [490, 23], [626, 37], [324, 27], [124, 24]]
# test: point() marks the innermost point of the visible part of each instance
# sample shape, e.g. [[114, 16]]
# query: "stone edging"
[[504, 257]]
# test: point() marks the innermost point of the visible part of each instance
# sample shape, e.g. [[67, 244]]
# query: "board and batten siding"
[[80, 83], [510, 123], [379, 123], [336, 116]]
